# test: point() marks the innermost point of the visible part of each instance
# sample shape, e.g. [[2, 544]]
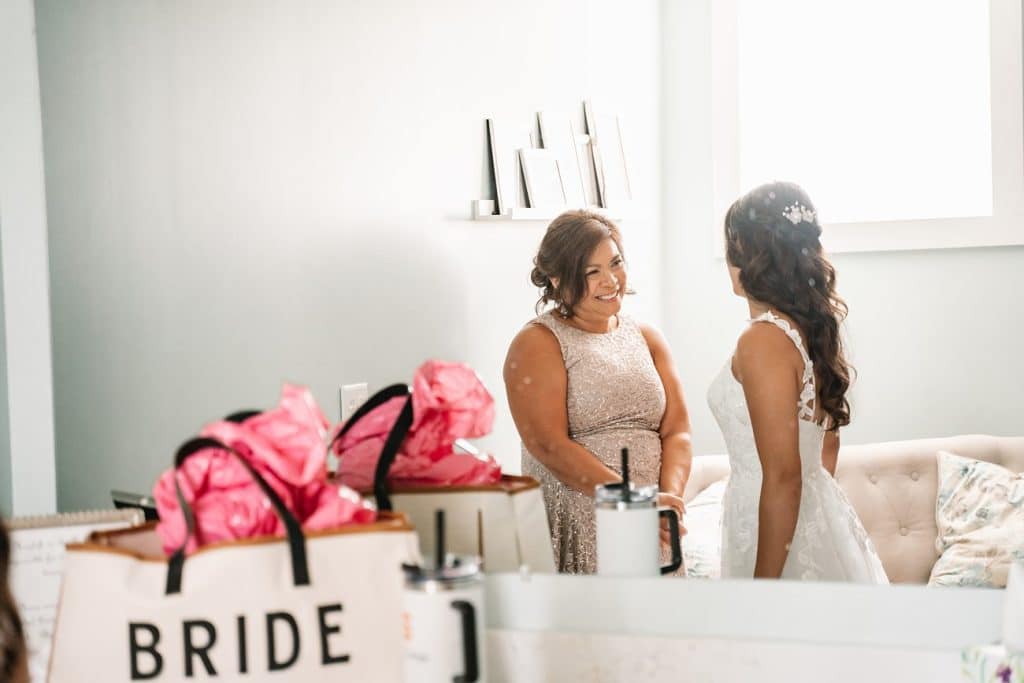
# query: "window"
[[903, 120]]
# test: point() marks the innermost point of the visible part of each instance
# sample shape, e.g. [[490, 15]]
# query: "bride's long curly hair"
[[772, 236]]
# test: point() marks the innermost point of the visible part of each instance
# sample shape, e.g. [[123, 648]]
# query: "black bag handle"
[[241, 416], [673, 534], [296, 539], [392, 443], [470, 659]]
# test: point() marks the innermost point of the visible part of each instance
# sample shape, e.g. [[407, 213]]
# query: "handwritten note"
[[37, 561]]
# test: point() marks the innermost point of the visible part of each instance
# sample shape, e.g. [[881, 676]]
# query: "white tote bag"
[[316, 606], [504, 523]]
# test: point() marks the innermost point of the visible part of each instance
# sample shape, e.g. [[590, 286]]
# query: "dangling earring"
[[563, 310]]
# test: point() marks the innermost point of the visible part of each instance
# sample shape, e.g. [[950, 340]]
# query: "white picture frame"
[[605, 130], [544, 188], [558, 135], [505, 139], [588, 171]]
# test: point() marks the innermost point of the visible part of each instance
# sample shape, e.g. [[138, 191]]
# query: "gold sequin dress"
[[615, 399]]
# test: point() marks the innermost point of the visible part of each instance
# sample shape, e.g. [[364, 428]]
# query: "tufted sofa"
[[893, 486]]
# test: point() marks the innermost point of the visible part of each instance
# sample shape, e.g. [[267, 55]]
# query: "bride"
[[781, 400]]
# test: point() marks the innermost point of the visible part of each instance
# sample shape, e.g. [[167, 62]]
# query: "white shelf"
[[483, 211]]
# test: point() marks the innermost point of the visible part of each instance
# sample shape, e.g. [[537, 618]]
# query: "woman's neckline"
[[565, 321]]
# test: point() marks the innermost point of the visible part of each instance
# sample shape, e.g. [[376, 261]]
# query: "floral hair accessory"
[[797, 212]]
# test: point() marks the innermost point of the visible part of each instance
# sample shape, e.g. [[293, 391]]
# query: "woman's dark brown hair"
[[772, 235], [12, 643], [563, 254]]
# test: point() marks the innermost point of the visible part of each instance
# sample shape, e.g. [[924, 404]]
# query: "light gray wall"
[[6, 497], [245, 193], [26, 425], [935, 335], [238, 197]]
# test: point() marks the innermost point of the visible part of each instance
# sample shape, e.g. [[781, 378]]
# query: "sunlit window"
[[881, 108]]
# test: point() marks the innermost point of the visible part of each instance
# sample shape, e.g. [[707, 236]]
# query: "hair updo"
[[563, 254]]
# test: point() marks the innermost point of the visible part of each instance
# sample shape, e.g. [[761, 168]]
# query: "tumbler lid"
[[447, 569], [611, 497], [456, 570]]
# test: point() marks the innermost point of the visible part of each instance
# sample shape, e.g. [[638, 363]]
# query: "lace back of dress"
[[807, 391]]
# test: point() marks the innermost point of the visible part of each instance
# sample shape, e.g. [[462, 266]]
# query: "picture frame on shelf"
[[546, 165], [588, 171], [505, 139], [605, 130], [544, 185], [558, 134]]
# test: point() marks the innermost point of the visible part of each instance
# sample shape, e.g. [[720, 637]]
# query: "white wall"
[[27, 479], [244, 193], [6, 493], [934, 335]]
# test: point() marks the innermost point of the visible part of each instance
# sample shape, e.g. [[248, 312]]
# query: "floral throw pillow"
[[702, 544], [979, 512]]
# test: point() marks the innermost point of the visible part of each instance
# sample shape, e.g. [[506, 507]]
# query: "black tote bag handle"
[[296, 539], [392, 443]]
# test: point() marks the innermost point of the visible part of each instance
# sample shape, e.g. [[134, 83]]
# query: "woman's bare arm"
[[676, 441], [769, 367], [536, 384]]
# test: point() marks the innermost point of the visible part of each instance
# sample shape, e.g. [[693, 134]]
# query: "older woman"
[[585, 380]]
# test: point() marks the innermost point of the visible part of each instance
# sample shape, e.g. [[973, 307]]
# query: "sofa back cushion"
[[707, 469]]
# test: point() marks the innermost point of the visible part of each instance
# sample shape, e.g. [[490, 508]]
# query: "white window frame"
[[1006, 224]]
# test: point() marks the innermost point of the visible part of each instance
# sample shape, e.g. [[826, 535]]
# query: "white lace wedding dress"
[[830, 543]]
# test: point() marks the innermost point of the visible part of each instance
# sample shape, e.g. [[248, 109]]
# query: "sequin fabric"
[[615, 399]]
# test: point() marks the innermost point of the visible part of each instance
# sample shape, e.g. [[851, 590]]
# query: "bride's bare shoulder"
[[765, 348]]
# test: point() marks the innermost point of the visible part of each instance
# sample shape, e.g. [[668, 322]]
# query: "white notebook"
[[37, 562]]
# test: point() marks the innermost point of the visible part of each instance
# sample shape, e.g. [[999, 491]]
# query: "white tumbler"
[[444, 617], [628, 532]]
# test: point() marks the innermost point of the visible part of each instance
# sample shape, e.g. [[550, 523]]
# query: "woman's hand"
[[671, 500]]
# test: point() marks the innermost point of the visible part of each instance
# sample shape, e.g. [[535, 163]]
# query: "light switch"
[[352, 396]]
